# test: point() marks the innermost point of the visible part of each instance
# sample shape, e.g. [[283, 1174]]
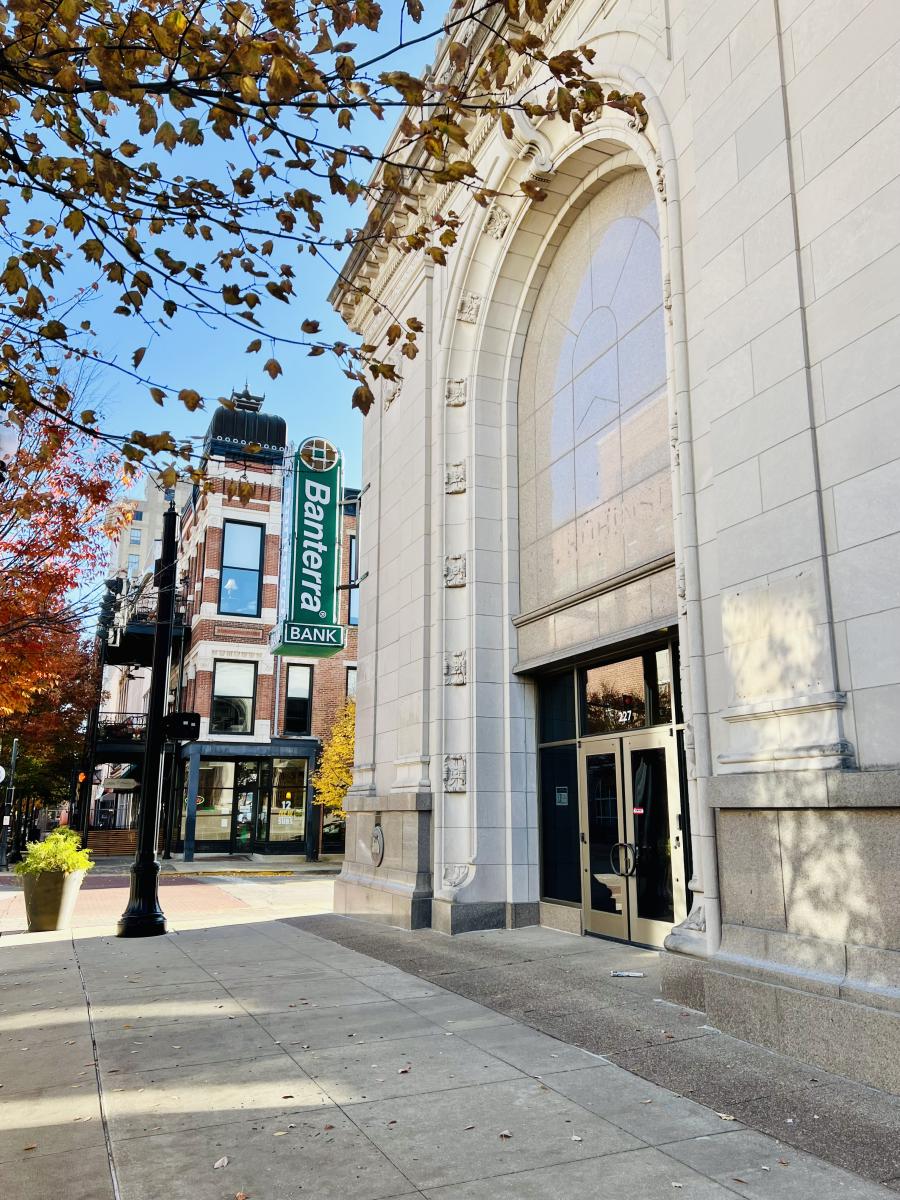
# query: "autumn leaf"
[[273, 368], [190, 399]]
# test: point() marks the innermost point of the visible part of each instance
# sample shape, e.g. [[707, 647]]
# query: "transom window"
[[240, 584]]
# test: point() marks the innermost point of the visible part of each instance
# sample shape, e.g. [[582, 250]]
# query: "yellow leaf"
[[283, 82], [273, 368], [190, 399]]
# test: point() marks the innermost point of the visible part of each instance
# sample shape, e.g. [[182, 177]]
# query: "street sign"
[[309, 617]]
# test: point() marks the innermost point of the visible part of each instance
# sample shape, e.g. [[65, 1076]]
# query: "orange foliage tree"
[[51, 718], [54, 493]]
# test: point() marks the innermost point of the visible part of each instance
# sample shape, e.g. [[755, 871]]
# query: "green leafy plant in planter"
[[52, 872]]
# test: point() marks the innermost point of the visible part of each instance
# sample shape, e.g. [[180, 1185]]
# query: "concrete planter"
[[50, 899]]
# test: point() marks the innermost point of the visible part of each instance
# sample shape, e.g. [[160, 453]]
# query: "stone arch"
[[486, 322]]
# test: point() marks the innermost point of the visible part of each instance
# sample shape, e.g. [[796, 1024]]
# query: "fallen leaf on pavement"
[[241, 1196], [289, 1096], [280, 1133], [33, 1146], [220, 1162], [783, 1162], [470, 1127], [576, 1138], [505, 1135], [328, 1128], [678, 1185], [738, 1180], [404, 1070], [725, 1116]]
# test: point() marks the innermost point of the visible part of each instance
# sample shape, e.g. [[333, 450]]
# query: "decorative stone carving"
[[469, 307], [455, 393], [377, 846], [497, 222], [667, 293], [455, 571], [456, 874], [532, 143], [454, 772], [455, 668], [696, 920], [660, 178], [455, 478]]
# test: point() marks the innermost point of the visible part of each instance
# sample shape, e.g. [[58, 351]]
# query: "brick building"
[[245, 786]]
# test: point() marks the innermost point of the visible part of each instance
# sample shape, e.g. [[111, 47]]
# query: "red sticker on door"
[[638, 812]]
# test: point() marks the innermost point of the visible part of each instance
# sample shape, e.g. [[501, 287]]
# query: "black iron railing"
[[122, 727]]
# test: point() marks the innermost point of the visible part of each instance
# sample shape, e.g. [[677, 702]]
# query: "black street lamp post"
[[143, 916], [7, 808]]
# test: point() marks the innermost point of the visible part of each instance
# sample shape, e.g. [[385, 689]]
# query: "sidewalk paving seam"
[[416, 1191], [107, 1137]]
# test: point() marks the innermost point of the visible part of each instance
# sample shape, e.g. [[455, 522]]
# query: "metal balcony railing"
[[122, 727]]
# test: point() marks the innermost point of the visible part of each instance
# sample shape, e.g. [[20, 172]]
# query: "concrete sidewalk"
[[259, 1058]]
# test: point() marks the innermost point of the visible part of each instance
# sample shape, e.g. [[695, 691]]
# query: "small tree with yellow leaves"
[[332, 780]]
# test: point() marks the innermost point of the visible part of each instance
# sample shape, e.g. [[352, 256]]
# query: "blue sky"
[[312, 394]]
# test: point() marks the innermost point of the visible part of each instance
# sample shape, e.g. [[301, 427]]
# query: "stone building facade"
[[629, 659]]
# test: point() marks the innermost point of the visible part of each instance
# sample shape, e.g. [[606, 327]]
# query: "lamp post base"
[[143, 917]]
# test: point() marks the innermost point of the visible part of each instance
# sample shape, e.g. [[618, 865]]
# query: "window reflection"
[[614, 697], [593, 398], [629, 694], [234, 689], [239, 591], [287, 818]]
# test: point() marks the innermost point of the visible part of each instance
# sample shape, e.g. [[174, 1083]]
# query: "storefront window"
[[287, 821], [234, 691], [239, 587], [215, 799]]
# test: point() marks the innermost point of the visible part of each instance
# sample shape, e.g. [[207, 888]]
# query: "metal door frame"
[[612, 925], [629, 927], [254, 811], [644, 930]]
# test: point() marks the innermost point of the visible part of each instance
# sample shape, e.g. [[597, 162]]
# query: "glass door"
[[633, 867], [655, 878], [604, 857], [245, 805]]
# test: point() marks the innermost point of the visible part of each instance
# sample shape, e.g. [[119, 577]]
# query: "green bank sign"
[[309, 617]]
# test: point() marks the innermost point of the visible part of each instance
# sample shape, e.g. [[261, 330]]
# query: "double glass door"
[[632, 846]]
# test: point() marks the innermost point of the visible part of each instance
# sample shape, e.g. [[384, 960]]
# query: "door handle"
[[612, 858], [631, 849]]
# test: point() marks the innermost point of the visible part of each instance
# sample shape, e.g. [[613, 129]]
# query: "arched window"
[[594, 456]]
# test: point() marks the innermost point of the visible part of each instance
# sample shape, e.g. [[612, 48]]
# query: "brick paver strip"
[[103, 898]]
